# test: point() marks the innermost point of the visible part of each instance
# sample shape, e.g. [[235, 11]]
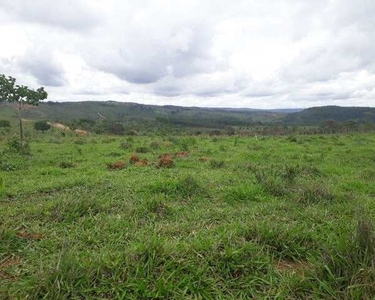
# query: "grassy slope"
[[277, 220]]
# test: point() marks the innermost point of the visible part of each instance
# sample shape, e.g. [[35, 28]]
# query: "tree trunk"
[[21, 125]]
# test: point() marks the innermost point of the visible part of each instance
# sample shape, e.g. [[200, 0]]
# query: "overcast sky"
[[218, 53]]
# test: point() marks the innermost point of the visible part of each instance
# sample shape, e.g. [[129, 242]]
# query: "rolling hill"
[[318, 115], [66, 112]]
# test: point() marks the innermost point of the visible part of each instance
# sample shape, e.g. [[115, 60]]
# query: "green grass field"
[[238, 218]]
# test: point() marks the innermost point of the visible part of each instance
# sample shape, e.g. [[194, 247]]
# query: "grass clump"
[[217, 164], [312, 192], [142, 149], [126, 145]]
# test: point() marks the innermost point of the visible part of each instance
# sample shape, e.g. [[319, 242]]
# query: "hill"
[[318, 115], [67, 112]]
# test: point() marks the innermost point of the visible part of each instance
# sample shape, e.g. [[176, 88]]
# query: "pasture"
[[233, 218]]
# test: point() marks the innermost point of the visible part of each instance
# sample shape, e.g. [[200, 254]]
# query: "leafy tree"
[[4, 123], [20, 95], [42, 126]]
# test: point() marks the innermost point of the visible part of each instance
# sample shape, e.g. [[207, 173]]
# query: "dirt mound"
[[165, 155], [166, 162], [81, 132], [134, 158], [141, 163], [59, 126], [116, 166]]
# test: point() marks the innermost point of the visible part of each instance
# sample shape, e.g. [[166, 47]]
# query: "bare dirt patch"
[[294, 267], [29, 235], [116, 166]]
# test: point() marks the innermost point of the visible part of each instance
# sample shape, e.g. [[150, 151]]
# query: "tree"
[[4, 123], [42, 126], [19, 95]]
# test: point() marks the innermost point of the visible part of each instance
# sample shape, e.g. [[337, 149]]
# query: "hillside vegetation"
[[319, 115], [119, 111]]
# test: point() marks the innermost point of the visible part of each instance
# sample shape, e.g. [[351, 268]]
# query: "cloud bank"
[[260, 54]]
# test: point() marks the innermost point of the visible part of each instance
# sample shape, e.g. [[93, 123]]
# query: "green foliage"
[[142, 149], [126, 145], [14, 145], [42, 126], [4, 123]]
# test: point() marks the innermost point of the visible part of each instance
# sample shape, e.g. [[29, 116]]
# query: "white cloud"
[[259, 54]]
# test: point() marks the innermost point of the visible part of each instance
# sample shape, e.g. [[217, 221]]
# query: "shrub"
[[42, 126], [14, 145], [4, 123]]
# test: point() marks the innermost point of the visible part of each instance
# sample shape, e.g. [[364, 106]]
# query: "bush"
[[14, 145], [42, 126], [4, 123]]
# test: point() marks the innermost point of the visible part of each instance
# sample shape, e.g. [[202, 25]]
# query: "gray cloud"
[[247, 54], [44, 67], [68, 14]]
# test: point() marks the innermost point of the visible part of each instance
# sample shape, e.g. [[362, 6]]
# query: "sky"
[[218, 53]]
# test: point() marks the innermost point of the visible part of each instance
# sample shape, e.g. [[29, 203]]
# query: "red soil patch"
[[141, 163], [182, 154], [165, 155], [134, 158], [165, 162], [116, 166], [29, 236]]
